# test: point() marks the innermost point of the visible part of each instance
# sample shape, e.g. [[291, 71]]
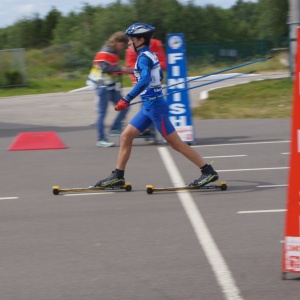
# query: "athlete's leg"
[[126, 139], [137, 125], [160, 118], [190, 153], [208, 174], [163, 124]]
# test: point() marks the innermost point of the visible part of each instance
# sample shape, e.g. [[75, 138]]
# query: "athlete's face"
[[134, 41]]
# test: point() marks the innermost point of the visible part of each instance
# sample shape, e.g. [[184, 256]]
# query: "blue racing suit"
[[149, 74]]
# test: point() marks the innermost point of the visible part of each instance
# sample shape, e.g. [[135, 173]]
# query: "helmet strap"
[[136, 48]]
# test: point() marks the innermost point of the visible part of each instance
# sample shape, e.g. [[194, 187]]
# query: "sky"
[[13, 10]]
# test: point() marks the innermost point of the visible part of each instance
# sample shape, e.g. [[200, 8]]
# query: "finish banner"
[[291, 248], [178, 97]]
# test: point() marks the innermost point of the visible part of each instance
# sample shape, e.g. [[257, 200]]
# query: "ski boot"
[[208, 175], [112, 180]]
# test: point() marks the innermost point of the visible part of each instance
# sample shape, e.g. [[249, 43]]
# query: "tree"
[[68, 29], [49, 24], [272, 18], [246, 15], [26, 33], [93, 25]]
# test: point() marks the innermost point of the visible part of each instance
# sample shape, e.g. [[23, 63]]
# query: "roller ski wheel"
[[222, 186], [128, 187], [150, 189], [56, 190]]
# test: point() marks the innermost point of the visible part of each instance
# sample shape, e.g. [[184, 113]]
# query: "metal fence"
[[210, 53], [13, 68]]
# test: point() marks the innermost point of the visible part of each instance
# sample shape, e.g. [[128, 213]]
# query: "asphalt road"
[[130, 245]]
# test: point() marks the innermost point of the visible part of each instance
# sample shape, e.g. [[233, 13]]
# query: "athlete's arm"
[[144, 64]]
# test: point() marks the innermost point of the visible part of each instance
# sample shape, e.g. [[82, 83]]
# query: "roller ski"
[[58, 190], [113, 182], [208, 175], [222, 186]]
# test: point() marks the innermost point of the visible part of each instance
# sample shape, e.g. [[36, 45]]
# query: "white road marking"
[[271, 185], [238, 144], [260, 211], [86, 194], [8, 198], [254, 169], [213, 254], [225, 156]]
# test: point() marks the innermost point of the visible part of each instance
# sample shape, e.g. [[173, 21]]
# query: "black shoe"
[[112, 180], [208, 175]]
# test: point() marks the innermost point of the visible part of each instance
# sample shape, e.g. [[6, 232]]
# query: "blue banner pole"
[[177, 92]]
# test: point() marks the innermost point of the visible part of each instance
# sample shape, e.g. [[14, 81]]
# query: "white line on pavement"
[[213, 254], [225, 156], [86, 194], [255, 169], [271, 185], [238, 144], [8, 198], [260, 211]]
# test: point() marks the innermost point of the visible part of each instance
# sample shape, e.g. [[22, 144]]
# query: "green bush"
[[13, 77], [1, 79]]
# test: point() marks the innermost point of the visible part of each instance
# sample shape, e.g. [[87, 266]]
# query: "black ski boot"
[[208, 175], [114, 179]]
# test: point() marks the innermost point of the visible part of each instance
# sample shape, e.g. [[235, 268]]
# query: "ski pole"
[[221, 71], [194, 87], [211, 82]]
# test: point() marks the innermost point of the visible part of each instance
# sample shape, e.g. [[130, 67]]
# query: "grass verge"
[[261, 99]]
